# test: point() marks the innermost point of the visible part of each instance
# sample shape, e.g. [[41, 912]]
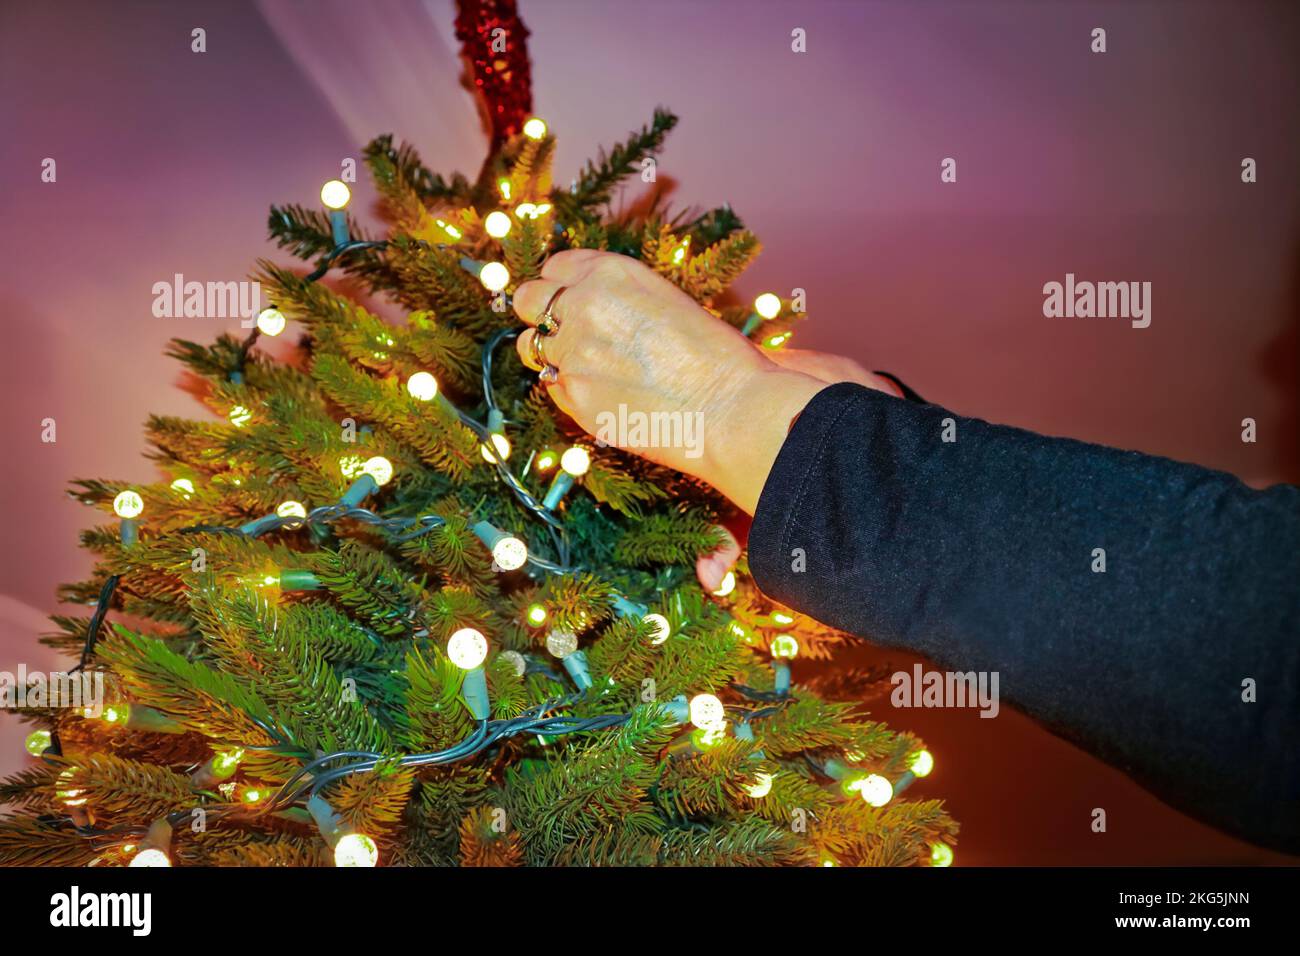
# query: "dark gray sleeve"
[[979, 554]]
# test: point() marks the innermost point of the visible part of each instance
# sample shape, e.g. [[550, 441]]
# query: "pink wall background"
[[1121, 166]]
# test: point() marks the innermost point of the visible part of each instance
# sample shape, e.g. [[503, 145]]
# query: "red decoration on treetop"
[[494, 41]]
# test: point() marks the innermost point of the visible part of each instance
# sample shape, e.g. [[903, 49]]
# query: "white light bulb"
[[240, 416], [767, 305], [535, 128], [662, 629], [379, 468], [128, 504], [707, 712], [576, 461], [422, 385], [497, 224], [874, 789], [270, 321], [761, 786], [515, 660], [494, 276], [922, 763], [561, 643], [150, 857], [355, 849], [727, 586], [499, 442], [467, 648], [510, 553], [184, 486], [335, 194], [291, 509], [526, 210]]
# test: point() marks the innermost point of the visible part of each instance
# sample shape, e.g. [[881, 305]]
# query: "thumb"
[[713, 567]]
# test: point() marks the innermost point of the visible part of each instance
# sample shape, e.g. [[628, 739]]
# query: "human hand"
[[631, 343]]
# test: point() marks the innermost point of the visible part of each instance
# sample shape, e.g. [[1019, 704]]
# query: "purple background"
[[1119, 166]]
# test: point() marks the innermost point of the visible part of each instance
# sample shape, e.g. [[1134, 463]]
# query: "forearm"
[[980, 552]]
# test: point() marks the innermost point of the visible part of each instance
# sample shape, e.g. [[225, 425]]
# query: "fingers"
[[712, 568], [552, 349], [531, 298], [566, 268]]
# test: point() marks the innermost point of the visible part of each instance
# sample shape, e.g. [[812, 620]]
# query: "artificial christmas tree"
[[395, 607]]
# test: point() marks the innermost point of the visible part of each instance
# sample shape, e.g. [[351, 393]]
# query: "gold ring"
[[548, 323], [539, 357]]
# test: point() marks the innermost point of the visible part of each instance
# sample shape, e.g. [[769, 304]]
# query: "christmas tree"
[[394, 607]]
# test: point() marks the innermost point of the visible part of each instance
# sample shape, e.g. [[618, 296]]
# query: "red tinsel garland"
[[495, 43]]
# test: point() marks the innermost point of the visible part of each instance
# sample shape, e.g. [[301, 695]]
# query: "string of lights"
[[467, 648]]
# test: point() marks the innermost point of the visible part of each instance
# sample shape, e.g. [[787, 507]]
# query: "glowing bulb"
[[874, 789], [335, 194], [128, 504], [779, 617], [379, 468], [270, 321], [150, 857], [679, 254], [761, 786], [291, 509], [497, 224], [776, 341], [449, 229], [240, 416], [707, 712], [536, 615], [37, 742], [422, 385], [940, 854], [510, 553], [494, 276], [561, 643], [784, 645], [542, 209], [922, 763], [71, 797], [224, 764], [535, 128], [502, 446], [662, 629], [545, 461], [356, 849], [183, 486], [727, 586], [576, 461], [504, 186], [467, 648], [526, 210], [350, 465], [252, 795], [515, 660], [767, 305], [117, 713]]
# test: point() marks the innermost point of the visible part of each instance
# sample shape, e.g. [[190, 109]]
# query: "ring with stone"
[[548, 323]]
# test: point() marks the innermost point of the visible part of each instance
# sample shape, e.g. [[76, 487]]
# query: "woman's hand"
[[631, 344], [633, 349]]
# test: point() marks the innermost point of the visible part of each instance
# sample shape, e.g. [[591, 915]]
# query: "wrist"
[[748, 425]]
